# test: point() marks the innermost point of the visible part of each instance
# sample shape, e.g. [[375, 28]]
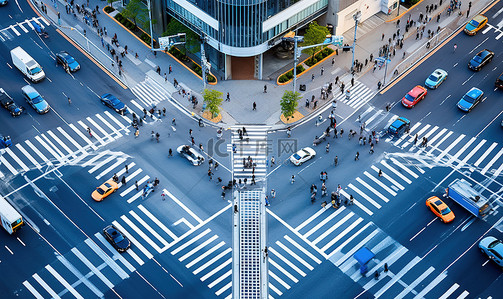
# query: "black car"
[[482, 58], [116, 238], [499, 82], [7, 102], [111, 101], [67, 61]]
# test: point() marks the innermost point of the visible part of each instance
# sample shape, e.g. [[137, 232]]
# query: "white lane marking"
[[84, 137], [449, 292], [63, 145], [157, 221], [42, 156], [223, 289], [100, 164], [122, 274], [415, 283], [436, 145], [130, 188], [8, 165], [494, 159], [431, 285], [390, 260], [92, 268], [357, 203], [465, 292], [341, 234], [218, 280], [27, 155], [186, 244], [135, 257], [17, 159], [486, 153], [349, 240], [388, 178], [213, 260], [364, 196], [95, 158], [381, 184], [212, 272], [105, 134], [149, 228], [114, 130], [63, 282], [11, 27], [119, 161], [355, 248], [183, 206], [307, 221], [199, 247], [398, 276], [396, 172], [286, 261], [333, 228], [45, 286], [309, 254], [295, 256], [32, 290], [272, 287], [53, 145], [323, 222], [72, 141], [49, 149], [461, 151], [397, 163], [133, 240], [22, 27], [379, 194], [448, 149], [115, 120], [274, 264], [94, 135], [463, 162], [284, 284], [204, 255]]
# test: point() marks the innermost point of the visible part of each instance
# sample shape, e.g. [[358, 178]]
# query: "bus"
[[11, 219]]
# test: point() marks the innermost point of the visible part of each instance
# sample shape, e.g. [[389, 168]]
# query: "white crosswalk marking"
[[186, 244], [8, 165], [114, 130], [75, 143], [362, 194], [32, 290], [493, 160], [322, 223], [486, 153], [449, 292], [63, 282], [206, 254], [84, 137], [199, 247], [309, 254], [431, 285], [92, 267], [133, 240], [212, 261], [415, 283], [45, 286], [27, 155], [398, 276], [220, 279], [16, 158], [49, 149], [122, 274], [294, 255], [34, 149], [286, 261], [220, 267], [149, 228]]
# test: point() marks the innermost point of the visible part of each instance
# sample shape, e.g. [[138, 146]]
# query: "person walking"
[[455, 47], [288, 132], [123, 181], [273, 193], [292, 180], [136, 185], [415, 139], [89, 131], [327, 148], [273, 161], [336, 161], [371, 148], [267, 203], [357, 157], [170, 153], [228, 99], [254, 106], [265, 88], [352, 81], [379, 174], [127, 168], [322, 70]]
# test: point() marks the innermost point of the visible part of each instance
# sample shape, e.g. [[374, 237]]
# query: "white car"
[[302, 156], [190, 154]]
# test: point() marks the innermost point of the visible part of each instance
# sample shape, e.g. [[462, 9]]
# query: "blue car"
[[5, 141], [67, 61], [35, 99], [399, 126], [436, 78], [470, 99], [482, 58], [111, 101], [493, 248], [3, 2]]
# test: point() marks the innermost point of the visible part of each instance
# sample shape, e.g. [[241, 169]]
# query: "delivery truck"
[[10, 217], [27, 65], [462, 192]]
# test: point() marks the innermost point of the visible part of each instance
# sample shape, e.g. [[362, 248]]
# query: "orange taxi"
[[440, 209], [104, 190]]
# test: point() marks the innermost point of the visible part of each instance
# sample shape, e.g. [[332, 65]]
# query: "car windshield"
[[468, 99], [410, 98], [100, 191], [445, 211], [35, 70], [433, 78], [37, 99], [477, 59], [494, 244], [118, 237], [474, 23], [108, 185], [69, 59], [296, 156]]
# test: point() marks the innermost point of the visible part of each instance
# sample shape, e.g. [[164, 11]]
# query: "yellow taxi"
[[440, 209], [104, 190], [477, 23]]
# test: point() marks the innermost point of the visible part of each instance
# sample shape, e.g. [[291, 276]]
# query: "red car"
[[414, 96]]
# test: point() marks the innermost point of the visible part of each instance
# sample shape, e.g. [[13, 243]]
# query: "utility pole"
[[151, 31], [356, 17]]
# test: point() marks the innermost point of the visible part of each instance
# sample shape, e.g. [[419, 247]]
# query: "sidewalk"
[[243, 93]]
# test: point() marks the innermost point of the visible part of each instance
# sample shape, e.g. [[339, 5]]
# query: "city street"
[[181, 234]]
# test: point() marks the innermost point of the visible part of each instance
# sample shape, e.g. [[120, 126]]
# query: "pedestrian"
[[254, 106], [288, 132], [357, 157], [123, 181], [170, 70], [376, 275], [210, 173], [253, 180], [216, 165], [352, 81], [267, 201], [136, 185], [273, 161], [223, 193], [379, 174], [165, 77], [170, 153], [292, 180], [336, 160], [379, 83], [127, 168], [312, 77], [385, 267], [382, 38], [273, 193], [265, 88], [455, 47], [415, 139], [327, 147], [371, 148], [322, 70], [228, 98]]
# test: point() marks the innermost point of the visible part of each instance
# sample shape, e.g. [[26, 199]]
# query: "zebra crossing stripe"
[[284, 284], [274, 264], [114, 130], [84, 126], [72, 141], [8, 165], [81, 278], [358, 204], [110, 262], [349, 240], [322, 223], [286, 261], [375, 204], [186, 244], [220, 267], [223, 289], [212, 261], [204, 255], [390, 260], [157, 222], [342, 234], [143, 235], [350, 253], [27, 22], [295, 256], [309, 254], [397, 163], [462, 150], [415, 283], [46, 286], [398, 276], [333, 228], [63, 282], [32, 290], [16, 158], [25, 152], [49, 149], [431, 285], [449, 292], [449, 148], [22, 28], [486, 153], [84, 137], [436, 146], [95, 158], [306, 222], [11, 27], [199, 247], [99, 165], [34, 149], [379, 194], [465, 292], [396, 172], [389, 178], [111, 167], [92, 268], [494, 159], [220, 279], [463, 162], [133, 239], [381, 184], [105, 134], [149, 228]]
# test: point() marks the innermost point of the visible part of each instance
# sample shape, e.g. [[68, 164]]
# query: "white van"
[[27, 65]]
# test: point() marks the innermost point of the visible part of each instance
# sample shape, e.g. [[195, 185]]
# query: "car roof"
[[29, 89], [474, 92], [110, 228], [416, 91], [480, 18]]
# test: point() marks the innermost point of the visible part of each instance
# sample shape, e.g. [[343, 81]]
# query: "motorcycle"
[[317, 140], [41, 32], [5, 141], [149, 188]]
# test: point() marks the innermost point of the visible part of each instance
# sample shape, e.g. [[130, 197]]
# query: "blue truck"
[[462, 192]]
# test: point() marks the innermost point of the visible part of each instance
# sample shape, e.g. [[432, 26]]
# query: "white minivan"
[[27, 65]]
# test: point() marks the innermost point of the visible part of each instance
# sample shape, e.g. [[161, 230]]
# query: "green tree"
[[213, 100], [192, 40], [315, 34], [110, 2], [133, 10], [289, 102]]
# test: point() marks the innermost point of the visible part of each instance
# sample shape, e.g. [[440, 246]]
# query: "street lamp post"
[[295, 61], [385, 68], [356, 17], [151, 31]]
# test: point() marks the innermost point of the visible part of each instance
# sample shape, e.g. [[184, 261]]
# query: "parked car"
[[413, 97], [499, 82], [116, 238], [399, 126], [111, 101], [302, 156], [440, 209], [436, 78], [67, 61], [104, 190], [471, 99], [482, 58], [8, 103], [190, 154], [478, 22], [493, 248], [35, 99]]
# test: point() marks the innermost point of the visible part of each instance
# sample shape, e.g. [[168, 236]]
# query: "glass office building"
[[238, 32]]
